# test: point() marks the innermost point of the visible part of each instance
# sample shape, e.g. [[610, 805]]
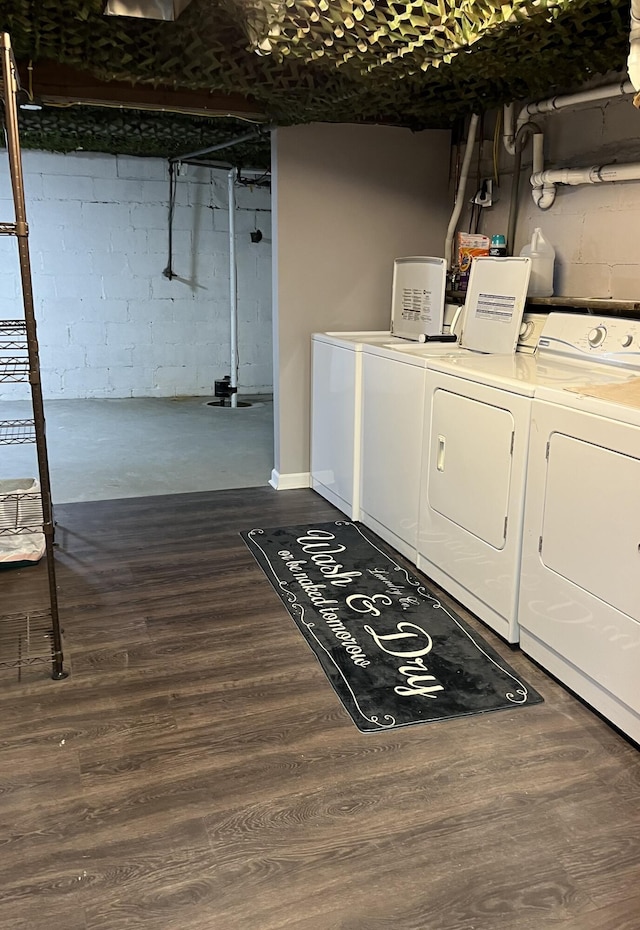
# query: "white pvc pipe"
[[462, 185], [554, 104], [508, 128], [601, 174], [233, 289], [543, 194]]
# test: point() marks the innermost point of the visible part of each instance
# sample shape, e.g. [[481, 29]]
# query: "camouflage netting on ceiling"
[[138, 132], [408, 63]]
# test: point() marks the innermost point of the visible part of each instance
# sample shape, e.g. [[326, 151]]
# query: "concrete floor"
[[137, 447]]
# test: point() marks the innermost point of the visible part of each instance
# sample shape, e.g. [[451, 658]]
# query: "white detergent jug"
[[543, 256]]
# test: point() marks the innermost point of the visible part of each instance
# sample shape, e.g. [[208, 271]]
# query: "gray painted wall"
[[346, 201]]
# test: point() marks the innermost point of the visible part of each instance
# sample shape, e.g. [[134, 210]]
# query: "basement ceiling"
[[106, 79]]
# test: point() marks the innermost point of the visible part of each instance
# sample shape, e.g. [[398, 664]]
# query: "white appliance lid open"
[[417, 302], [494, 306]]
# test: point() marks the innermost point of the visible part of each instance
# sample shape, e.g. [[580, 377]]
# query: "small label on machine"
[[499, 307], [416, 304]]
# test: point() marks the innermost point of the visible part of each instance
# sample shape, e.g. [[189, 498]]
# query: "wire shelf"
[[34, 636], [17, 432], [13, 334], [14, 369], [13, 327], [26, 639], [20, 512]]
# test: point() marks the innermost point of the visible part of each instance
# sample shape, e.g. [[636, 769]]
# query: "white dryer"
[[579, 601], [393, 413], [476, 437]]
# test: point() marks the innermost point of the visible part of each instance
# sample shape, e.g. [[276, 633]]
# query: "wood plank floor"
[[197, 772]]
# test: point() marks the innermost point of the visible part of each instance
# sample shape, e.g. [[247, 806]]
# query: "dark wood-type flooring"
[[196, 771]]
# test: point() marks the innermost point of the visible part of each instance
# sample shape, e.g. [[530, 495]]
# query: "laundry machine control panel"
[[530, 331], [597, 336], [608, 340]]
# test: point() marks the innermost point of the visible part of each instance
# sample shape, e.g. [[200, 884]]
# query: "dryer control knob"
[[627, 340], [596, 336]]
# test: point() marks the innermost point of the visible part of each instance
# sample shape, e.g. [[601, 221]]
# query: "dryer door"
[[591, 524], [470, 464]]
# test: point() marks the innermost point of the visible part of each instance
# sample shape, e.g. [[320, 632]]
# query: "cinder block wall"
[[110, 324]]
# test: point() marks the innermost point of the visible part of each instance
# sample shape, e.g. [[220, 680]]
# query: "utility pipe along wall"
[[131, 331]]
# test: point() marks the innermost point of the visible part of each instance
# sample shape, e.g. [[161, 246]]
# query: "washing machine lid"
[[494, 305], [417, 296], [353, 340], [408, 353], [614, 395]]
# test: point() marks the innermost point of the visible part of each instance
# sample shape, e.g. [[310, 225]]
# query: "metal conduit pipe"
[[513, 201], [245, 137], [462, 185], [521, 140]]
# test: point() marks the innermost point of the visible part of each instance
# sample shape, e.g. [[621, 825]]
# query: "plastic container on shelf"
[[543, 256], [498, 247]]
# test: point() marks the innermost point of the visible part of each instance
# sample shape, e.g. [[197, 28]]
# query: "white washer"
[[493, 314], [392, 414], [417, 309], [336, 397], [579, 603], [336, 404]]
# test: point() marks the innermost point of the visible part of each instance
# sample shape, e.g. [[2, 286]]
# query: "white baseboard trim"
[[280, 482]]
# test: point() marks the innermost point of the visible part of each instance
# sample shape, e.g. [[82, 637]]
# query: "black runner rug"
[[394, 654]]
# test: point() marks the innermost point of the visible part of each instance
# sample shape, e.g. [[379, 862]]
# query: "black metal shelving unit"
[[31, 636]]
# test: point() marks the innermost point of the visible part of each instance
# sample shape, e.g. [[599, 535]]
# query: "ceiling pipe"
[[462, 185], [544, 182], [544, 192], [246, 137]]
